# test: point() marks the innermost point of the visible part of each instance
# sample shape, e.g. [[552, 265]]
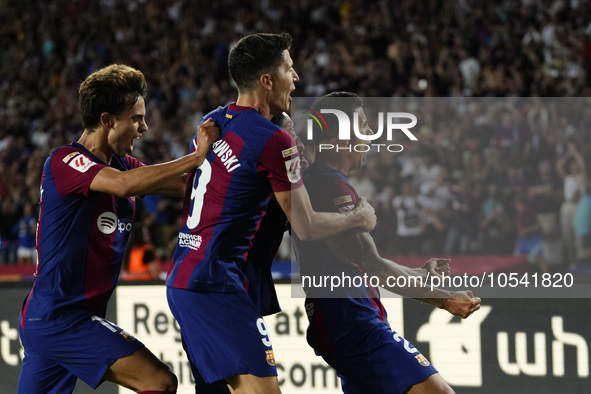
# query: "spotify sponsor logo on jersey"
[[108, 222]]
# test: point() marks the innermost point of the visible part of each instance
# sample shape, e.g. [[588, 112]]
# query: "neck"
[[334, 161], [255, 100], [96, 143]]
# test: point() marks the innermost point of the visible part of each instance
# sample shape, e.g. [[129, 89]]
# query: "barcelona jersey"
[[347, 309], [81, 239], [226, 199]]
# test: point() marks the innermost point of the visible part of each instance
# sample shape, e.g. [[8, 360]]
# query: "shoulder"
[[71, 156], [316, 173], [326, 180], [65, 153], [264, 126], [275, 139]]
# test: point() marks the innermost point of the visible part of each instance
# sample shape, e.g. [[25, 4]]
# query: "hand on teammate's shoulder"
[[207, 133]]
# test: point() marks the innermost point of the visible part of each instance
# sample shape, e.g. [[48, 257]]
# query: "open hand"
[[437, 267]]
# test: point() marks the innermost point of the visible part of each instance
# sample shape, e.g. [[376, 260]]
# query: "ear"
[[266, 81], [107, 120], [343, 143]]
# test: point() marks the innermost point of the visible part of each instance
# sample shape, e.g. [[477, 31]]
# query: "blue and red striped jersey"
[[226, 198], [336, 312], [81, 239]]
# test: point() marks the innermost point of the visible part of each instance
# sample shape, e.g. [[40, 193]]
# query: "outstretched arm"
[[147, 179], [174, 188], [359, 250], [310, 225]]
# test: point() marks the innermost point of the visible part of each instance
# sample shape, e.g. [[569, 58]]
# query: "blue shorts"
[[532, 246], [83, 348], [379, 361], [223, 334]]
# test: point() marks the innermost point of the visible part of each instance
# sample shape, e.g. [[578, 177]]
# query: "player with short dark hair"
[[256, 55], [348, 325], [88, 192], [222, 329]]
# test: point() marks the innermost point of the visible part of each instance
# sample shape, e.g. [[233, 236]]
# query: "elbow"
[[124, 190], [305, 229], [128, 186], [306, 235], [313, 234]]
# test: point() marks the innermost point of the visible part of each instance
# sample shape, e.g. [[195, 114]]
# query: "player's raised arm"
[[310, 225], [360, 250], [147, 179]]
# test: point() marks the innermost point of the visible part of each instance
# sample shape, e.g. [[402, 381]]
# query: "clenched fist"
[[207, 133]]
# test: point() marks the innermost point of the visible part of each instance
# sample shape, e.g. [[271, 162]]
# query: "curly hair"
[[113, 89]]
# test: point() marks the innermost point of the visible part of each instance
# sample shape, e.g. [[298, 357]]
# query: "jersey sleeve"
[[73, 172], [280, 163], [335, 195]]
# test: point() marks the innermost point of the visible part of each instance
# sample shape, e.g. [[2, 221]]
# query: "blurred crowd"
[[455, 48], [485, 176]]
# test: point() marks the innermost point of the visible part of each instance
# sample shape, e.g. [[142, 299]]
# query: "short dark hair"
[[113, 89], [255, 55], [282, 120], [345, 101]]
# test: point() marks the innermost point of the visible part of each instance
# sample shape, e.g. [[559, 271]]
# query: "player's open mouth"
[[137, 137]]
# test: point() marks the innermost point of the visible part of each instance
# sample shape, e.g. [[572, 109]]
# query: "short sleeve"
[[337, 195], [280, 163], [73, 172]]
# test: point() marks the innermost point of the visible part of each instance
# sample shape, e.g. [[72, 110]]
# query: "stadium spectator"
[[496, 227], [529, 234], [574, 188], [409, 206], [545, 195], [401, 49], [141, 262], [463, 225], [26, 228], [583, 226], [437, 201], [8, 219]]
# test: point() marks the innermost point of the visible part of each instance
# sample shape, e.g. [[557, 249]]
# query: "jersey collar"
[[76, 145], [238, 108]]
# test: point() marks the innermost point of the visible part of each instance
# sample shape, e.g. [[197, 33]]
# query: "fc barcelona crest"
[[422, 360], [127, 335], [271, 357]]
